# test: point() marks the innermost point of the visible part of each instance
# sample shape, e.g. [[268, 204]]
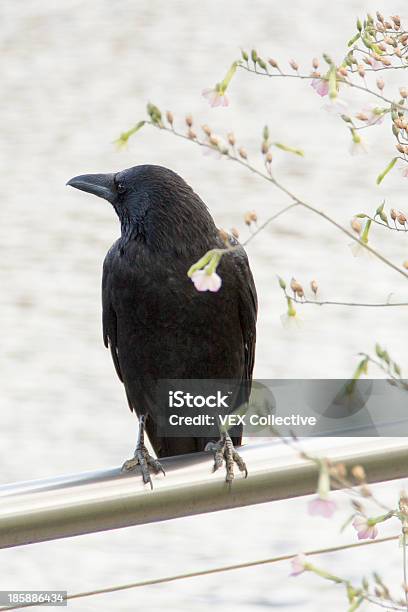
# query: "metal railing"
[[96, 501]]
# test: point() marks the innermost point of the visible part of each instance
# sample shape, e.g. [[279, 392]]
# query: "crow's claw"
[[144, 460], [224, 451]]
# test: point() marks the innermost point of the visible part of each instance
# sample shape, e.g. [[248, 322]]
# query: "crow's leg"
[[142, 457], [224, 451]]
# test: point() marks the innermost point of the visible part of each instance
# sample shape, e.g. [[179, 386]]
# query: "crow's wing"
[[248, 307], [109, 321]]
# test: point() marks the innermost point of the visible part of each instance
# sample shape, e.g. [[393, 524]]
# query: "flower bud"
[[359, 473], [400, 148], [385, 60], [401, 219], [262, 64], [247, 219], [294, 64], [315, 63], [342, 71], [170, 117], [268, 158], [235, 232], [393, 214], [314, 287], [340, 470], [403, 502], [404, 92], [254, 56], [361, 70], [223, 235], [380, 17], [264, 148], [362, 117], [206, 130], [273, 62], [189, 120], [397, 21], [265, 133], [296, 287], [380, 84], [356, 226], [191, 134], [405, 264], [253, 216], [231, 139], [245, 56], [214, 140], [243, 153]]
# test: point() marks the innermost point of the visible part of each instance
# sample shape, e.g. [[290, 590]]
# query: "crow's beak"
[[101, 185]]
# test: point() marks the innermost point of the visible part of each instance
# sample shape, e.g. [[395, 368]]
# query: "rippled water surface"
[[74, 75]]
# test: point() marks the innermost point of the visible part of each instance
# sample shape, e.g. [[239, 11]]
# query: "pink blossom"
[[321, 86], [206, 282], [364, 529], [321, 507], [298, 564], [215, 97], [375, 64], [374, 115]]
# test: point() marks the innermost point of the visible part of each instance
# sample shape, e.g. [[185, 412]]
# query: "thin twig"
[[394, 229], [214, 570], [339, 80], [334, 303], [282, 188]]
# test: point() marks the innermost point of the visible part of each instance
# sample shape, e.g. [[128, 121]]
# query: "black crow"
[[156, 323]]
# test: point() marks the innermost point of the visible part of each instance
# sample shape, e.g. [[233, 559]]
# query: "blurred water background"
[[74, 75]]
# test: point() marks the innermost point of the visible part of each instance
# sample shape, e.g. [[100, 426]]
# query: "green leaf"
[[397, 369], [283, 147], [354, 39], [384, 173], [333, 82], [124, 137]]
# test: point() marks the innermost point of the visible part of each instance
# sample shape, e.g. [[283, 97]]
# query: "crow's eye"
[[120, 187]]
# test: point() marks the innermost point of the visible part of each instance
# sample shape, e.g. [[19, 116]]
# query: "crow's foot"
[[144, 460], [224, 451]]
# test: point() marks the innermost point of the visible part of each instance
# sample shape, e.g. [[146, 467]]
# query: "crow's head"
[[153, 204]]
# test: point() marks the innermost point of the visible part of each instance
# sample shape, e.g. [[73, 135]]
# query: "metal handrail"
[[96, 501]]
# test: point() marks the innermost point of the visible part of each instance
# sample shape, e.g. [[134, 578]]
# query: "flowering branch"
[[387, 365], [299, 297], [240, 156], [385, 48]]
